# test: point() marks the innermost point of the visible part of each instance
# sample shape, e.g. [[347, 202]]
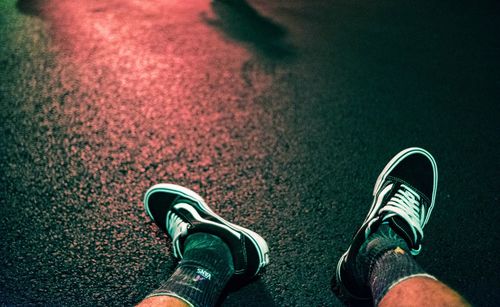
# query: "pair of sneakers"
[[404, 196]]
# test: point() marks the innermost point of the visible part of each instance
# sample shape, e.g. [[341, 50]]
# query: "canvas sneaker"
[[179, 212], [404, 196]]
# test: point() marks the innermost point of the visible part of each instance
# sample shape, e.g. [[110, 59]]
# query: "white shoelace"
[[176, 228], [406, 204]]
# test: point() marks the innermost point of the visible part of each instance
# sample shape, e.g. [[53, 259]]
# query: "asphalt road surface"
[[281, 113]]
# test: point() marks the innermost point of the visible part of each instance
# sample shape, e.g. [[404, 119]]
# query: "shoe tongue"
[[403, 229]]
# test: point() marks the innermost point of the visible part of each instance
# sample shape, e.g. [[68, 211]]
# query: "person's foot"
[[180, 212], [404, 196]]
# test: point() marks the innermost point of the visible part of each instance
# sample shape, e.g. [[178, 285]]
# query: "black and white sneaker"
[[404, 196], [180, 212]]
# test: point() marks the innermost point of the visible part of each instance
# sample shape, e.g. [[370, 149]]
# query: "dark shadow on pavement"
[[350, 302], [30, 7], [241, 22], [253, 294]]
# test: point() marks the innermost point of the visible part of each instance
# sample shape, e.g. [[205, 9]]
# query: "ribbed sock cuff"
[[391, 268]]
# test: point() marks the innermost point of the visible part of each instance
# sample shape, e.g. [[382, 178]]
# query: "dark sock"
[[383, 261], [203, 272]]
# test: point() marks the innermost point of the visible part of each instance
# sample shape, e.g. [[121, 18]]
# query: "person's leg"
[[163, 301], [395, 278], [422, 291], [379, 265], [213, 251], [201, 275]]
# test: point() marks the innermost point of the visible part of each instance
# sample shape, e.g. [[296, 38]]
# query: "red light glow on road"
[[169, 97]]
